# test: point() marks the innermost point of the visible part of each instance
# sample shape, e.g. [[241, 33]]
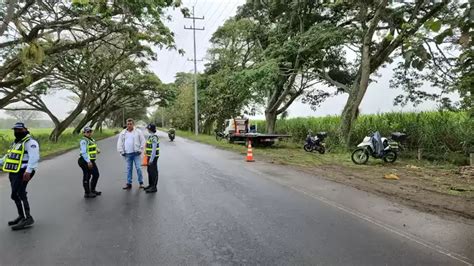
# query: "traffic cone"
[[250, 153], [145, 160]]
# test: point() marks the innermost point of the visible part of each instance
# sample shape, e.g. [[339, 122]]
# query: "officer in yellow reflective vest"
[[152, 151], [88, 165], [21, 163]]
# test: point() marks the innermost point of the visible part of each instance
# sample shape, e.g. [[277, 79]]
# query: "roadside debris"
[[391, 177]]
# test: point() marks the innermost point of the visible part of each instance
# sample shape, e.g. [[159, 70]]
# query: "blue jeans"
[[133, 158]]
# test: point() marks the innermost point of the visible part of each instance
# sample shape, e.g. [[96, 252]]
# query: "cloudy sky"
[[379, 97]]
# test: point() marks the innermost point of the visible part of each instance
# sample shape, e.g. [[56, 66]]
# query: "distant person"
[[152, 151], [21, 162], [87, 162], [130, 145]]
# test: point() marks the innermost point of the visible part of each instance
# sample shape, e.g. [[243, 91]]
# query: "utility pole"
[[193, 28], [162, 117]]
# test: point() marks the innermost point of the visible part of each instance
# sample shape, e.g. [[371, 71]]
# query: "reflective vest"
[[91, 149], [149, 146], [14, 158]]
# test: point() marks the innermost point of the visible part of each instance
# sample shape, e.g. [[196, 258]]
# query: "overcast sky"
[[379, 97]]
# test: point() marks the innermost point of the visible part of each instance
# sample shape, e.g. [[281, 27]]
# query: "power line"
[[220, 15], [215, 10]]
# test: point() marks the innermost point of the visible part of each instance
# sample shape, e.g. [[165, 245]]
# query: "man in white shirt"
[[130, 145]]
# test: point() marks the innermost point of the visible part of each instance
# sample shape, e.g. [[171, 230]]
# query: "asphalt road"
[[211, 209]]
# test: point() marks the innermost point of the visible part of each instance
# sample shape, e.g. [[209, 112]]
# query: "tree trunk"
[[59, 129], [89, 117], [270, 117], [348, 117], [98, 127], [357, 93]]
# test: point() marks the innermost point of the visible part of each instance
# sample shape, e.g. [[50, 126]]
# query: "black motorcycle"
[[171, 135], [316, 143], [220, 135]]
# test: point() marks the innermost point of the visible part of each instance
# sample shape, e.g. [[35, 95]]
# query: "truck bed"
[[260, 135], [257, 139]]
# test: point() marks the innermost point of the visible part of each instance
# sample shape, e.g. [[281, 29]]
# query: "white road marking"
[[369, 219]]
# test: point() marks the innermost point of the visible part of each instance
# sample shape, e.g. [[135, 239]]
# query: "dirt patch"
[[442, 192]]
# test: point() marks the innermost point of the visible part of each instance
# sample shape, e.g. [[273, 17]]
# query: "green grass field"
[[66, 142]]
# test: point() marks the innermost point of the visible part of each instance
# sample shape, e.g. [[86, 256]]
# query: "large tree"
[[270, 59], [38, 29], [225, 88], [103, 77], [379, 30], [444, 57]]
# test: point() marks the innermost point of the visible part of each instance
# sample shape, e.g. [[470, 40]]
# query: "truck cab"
[[236, 126]]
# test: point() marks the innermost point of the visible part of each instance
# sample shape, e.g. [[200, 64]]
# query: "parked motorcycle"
[[316, 143], [171, 134], [378, 147], [220, 135]]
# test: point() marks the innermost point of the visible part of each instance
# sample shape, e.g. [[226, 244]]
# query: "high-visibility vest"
[[14, 158], [149, 146], [91, 149]]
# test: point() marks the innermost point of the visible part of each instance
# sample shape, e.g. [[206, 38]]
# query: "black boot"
[[89, 195], [127, 187], [94, 185], [151, 190], [24, 223], [16, 221], [87, 187]]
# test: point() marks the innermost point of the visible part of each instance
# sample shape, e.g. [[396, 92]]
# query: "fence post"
[[472, 159], [419, 154]]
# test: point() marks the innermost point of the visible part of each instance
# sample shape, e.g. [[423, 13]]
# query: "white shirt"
[[138, 141], [129, 143]]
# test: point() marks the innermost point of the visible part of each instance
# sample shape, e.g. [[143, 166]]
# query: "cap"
[[151, 127], [19, 125], [87, 129]]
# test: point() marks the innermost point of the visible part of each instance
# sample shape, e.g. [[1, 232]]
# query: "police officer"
[[88, 165], [21, 162], [152, 151]]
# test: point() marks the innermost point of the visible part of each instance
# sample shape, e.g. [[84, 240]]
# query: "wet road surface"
[[211, 209]]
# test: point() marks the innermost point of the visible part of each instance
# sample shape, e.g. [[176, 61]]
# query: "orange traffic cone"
[[250, 153], [145, 160]]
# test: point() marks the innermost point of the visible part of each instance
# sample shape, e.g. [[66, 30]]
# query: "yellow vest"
[[91, 149], [149, 146], [14, 158]]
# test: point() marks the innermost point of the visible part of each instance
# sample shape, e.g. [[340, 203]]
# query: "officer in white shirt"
[[21, 163]]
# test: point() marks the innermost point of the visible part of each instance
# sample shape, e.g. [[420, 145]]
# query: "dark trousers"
[[152, 170], [89, 176], [19, 192]]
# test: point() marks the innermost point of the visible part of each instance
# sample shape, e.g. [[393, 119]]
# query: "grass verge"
[[48, 148]]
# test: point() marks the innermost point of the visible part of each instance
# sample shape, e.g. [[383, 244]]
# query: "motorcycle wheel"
[[390, 157], [307, 147], [360, 156], [321, 150]]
